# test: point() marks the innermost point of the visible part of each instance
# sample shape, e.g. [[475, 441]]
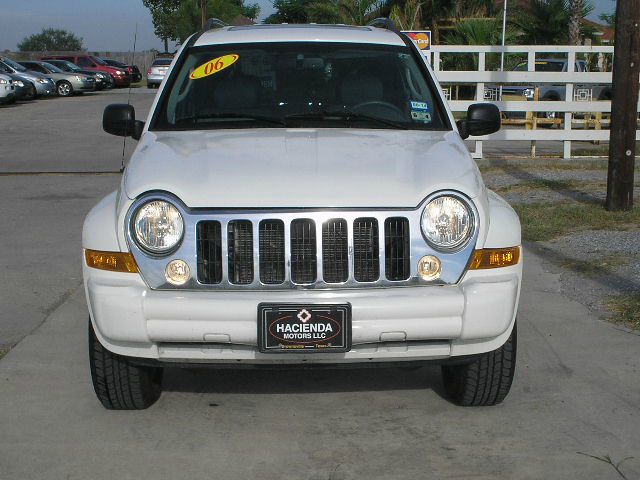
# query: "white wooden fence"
[[481, 77]]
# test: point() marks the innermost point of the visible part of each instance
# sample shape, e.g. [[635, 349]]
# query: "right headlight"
[[447, 222], [158, 227]]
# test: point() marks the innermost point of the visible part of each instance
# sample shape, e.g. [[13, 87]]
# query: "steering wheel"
[[399, 114]]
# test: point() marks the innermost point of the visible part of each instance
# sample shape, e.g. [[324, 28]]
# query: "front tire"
[[485, 381], [64, 88], [118, 383]]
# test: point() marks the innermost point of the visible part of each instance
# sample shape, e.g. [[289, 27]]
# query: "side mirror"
[[120, 119], [482, 119]]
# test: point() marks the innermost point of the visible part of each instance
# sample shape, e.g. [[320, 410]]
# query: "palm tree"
[[408, 17]]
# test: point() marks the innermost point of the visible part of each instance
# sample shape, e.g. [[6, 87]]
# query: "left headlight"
[[447, 222], [158, 227], [3, 81]]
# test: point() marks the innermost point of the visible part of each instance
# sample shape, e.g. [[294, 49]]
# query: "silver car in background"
[[67, 84], [157, 71], [45, 85], [103, 79], [7, 90]]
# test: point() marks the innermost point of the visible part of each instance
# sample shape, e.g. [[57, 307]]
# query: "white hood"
[[263, 168]]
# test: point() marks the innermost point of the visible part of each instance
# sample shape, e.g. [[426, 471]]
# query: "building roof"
[[299, 33]]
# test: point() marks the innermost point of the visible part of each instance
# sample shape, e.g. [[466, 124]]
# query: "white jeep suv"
[[301, 195]]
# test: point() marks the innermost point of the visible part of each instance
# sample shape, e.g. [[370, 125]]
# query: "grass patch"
[[532, 166], [596, 267], [545, 221], [542, 184], [4, 351], [626, 309]]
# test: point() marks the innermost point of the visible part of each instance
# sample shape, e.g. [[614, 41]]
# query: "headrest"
[[356, 89], [234, 93]]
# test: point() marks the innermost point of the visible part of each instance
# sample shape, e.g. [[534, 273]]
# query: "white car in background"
[[157, 72], [7, 90], [301, 195]]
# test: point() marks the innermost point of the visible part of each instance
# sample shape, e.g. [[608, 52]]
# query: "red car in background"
[[121, 76]]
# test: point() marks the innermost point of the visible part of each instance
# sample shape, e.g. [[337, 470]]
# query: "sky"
[[108, 24]]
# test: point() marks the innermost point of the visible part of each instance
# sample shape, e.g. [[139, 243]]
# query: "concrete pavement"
[[576, 390]]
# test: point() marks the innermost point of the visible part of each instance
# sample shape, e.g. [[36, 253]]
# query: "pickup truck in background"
[[547, 92]]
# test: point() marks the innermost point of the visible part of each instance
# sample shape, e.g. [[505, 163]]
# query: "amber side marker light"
[[112, 261], [495, 258]]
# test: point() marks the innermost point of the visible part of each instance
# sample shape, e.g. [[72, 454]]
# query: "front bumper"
[[154, 79], [83, 86], [389, 324], [45, 89]]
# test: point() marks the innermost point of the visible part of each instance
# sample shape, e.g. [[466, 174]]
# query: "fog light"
[[177, 272], [429, 267]]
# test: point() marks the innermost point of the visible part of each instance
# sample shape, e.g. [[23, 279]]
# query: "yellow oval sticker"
[[214, 66]]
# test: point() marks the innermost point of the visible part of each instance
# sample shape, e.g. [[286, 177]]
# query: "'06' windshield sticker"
[[214, 66]]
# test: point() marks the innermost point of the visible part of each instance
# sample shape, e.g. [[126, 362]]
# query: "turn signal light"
[[495, 258], [112, 261]]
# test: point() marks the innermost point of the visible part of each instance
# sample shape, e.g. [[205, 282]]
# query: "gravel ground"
[[618, 254], [593, 264]]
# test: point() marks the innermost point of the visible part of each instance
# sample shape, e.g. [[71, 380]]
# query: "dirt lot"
[[572, 412]]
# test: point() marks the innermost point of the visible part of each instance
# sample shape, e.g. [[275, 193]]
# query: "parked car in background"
[[157, 71], [547, 92], [120, 76], [7, 90], [45, 85], [103, 79], [133, 70], [67, 84], [25, 90]]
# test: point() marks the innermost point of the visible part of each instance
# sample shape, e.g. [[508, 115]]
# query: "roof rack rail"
[[385, 23], [214, 23]]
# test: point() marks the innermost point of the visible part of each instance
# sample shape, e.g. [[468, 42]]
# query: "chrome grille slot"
[[366, 264], [240, 251], [335, 251], [397, 249], [271, 252], [303, 251], [209, 252]]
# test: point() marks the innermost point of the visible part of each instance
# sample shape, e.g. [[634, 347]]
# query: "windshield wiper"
[[345, 115], [234, 116]]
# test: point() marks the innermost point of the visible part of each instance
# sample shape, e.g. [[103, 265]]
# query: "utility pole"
[[203, 12], [624, 106]]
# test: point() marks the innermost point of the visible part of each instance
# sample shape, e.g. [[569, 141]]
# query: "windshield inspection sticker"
[[421, 116], [419, 105], [214, 66]]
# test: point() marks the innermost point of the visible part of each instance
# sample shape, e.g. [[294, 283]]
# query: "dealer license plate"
[[304, 328]]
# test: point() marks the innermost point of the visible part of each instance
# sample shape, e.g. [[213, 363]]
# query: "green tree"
[[546, 22], [407, 16], [163, 15], [188, 16], [51, 40]]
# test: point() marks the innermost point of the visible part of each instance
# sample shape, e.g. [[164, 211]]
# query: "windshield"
[[99, 61], [14, 65], [165, 62], [67, 66], [300, 84], [51, 68]]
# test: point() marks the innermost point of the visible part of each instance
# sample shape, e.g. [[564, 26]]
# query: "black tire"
[[485, 381], [119, 384], [64, 88]]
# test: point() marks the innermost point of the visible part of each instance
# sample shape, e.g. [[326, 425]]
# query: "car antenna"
[[133, 55]]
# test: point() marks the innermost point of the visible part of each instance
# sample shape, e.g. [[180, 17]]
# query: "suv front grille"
[[271, 251], [303, 252], [397, 249], [335, 251], [209, 250], [240, 249], [366, 264]]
